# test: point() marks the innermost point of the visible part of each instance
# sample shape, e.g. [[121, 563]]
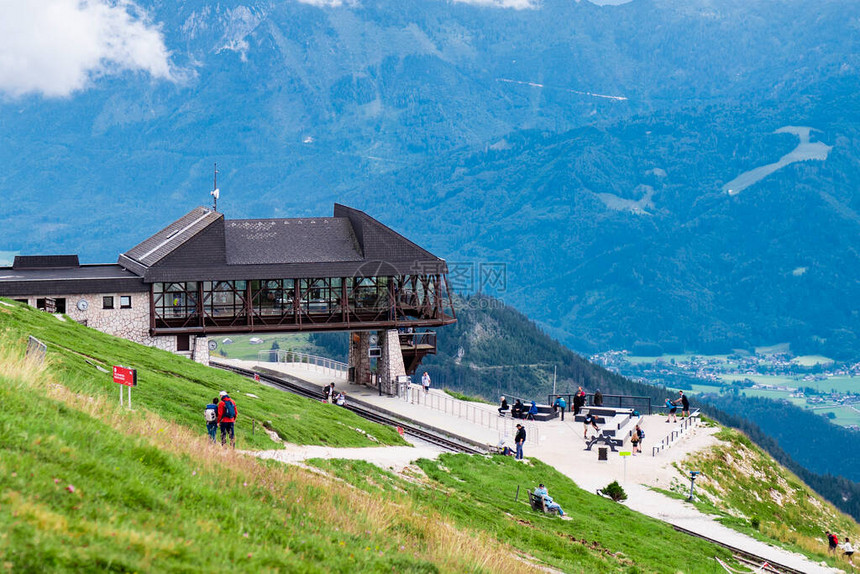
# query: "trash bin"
[[602, 453]]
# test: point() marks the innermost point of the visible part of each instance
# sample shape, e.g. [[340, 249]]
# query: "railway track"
[[746, 558], [412, 430]]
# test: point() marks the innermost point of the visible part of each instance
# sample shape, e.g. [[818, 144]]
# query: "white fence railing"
[[324, 365], [476, 413], [675, 433]]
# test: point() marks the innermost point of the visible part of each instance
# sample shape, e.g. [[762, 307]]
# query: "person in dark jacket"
[[685, 404], [225, 420], [503, 407], [517, 409], [598, 398], [578, 401], [520, 438]]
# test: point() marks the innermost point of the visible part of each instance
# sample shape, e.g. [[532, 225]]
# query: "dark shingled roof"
[[204, 246], [152, 250], [45, 261], [306, 240], [69, 281]]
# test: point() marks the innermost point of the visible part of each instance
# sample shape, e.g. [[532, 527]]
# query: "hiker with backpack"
[[210, 415], [227, 413]]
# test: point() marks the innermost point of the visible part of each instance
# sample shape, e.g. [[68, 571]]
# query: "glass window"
[[107, 302], [125, 301]]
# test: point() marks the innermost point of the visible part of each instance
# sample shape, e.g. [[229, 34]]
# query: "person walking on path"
[[634, 442], [685, 405], [503, 407], [578, 401], [673, 409], [832, 542], [210, 415], [848, 550], [520, 438], [598, 398], [328, 393], [590, 419], [547, 499], [227, 413], [425, 382], [560, 405], [641, 434]]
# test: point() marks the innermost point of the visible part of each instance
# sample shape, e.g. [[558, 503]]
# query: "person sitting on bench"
[[517, 409], [533, 410], [503, 407], [590, 419], [547, 500]]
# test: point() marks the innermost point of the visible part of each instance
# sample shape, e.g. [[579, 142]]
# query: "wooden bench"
[[539, 504]]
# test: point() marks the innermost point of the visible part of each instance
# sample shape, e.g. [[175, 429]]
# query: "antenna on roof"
[[215, 191]]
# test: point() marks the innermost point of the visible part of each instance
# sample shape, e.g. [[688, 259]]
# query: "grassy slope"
[[602, 536], [744, 486], [150, 492], [178, 389]]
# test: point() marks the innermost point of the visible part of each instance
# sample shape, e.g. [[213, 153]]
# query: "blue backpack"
[[229, 409]]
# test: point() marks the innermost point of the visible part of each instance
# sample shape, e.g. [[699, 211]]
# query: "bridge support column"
[[359, 361], [200, 351], [390, 364]]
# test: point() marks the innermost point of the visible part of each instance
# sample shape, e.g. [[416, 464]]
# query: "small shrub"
[[755, 522], [614, 491]]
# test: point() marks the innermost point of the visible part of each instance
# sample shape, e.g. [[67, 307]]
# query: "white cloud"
[[515, 4], [55, 47]]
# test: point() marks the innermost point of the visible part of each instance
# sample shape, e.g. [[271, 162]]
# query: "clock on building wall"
[[213, 344], [83, 305]]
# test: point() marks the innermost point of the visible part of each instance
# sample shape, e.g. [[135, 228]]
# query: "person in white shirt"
[[848, 550]]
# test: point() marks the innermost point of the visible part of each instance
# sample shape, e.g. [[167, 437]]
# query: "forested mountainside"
[[585, 148], [619, 235]]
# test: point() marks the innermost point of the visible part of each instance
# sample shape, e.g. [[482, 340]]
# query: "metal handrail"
[[640, 403], [677, 432], [486, 415], [326, 365]]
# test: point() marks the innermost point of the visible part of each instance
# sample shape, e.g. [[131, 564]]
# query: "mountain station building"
[[204, 275]]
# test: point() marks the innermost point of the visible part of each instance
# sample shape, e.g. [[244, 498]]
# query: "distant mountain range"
[[581, 149]]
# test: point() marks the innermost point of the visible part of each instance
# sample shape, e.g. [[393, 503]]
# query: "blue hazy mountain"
[[584, 147]]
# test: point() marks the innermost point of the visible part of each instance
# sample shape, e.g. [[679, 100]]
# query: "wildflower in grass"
[[245, 535], [70, 488], [56, 481], [194, 473]]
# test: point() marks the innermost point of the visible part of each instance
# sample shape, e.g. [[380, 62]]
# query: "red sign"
[[124, 376]]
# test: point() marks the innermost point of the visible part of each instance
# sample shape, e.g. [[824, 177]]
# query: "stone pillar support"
[[390, 364], [200, 350], [359, 362]]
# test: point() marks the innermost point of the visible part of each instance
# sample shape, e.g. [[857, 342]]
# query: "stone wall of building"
[[131, 323]]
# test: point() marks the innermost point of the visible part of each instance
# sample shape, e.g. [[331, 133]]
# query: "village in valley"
[[818, 383]]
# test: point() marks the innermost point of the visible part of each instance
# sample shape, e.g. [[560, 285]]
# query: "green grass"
[[479, 492], [740, 483], [79, 494], [812, 360], [178, 389], [462, 397], [242, 348]]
